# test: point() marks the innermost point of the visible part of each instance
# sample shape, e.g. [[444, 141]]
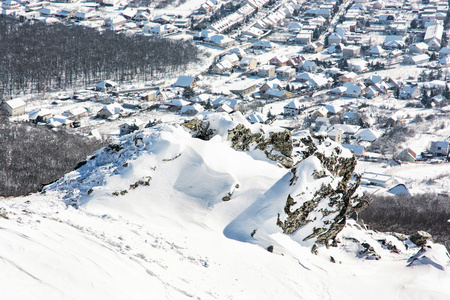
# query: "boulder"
[[420, 238]]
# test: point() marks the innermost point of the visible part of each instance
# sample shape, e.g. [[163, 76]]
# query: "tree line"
[[407, 214], [39, 58], [32, 156]]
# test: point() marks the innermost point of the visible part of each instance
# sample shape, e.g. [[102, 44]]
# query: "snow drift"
[[189, 211]]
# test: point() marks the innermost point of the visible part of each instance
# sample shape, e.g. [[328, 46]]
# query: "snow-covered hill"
[[211, 209]]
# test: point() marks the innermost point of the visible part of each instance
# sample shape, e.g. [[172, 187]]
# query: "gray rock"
[[420, 238]]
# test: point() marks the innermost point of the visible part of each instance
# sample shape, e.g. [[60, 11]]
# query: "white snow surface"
[[177, 239]]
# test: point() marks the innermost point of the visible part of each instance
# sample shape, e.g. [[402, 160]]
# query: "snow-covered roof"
[[15, 103], [368, 135], [333, 108], [355, 149], [256, 117], [33, 115], [184, 81], [106, 83], [293, 104]]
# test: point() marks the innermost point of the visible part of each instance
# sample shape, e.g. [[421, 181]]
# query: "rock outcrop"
[[420, 238], [276, 143], [326, 204], [277, 147]]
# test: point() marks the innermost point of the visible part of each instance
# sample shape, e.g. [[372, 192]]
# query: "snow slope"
[[147, 220]]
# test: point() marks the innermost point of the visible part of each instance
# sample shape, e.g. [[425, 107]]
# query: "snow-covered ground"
[[166, 240]]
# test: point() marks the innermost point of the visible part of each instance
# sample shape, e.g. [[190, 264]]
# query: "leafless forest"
[[39, 58], [407, 214], [33, 156]]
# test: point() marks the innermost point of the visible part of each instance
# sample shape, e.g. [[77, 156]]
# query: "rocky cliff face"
[[277, 147], [276, 143], [322, 189], [326, 207]]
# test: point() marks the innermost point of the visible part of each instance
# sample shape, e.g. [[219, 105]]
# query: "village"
[[355, 70]]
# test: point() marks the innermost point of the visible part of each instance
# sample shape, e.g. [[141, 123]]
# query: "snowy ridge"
[[161, 214]]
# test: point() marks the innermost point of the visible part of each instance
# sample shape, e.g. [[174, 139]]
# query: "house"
[[106, 86], [351, 118], [357, 150], [333, 109], [150, 96], [358, 66], [186, 81], [304, 77], [394, 44], [225, 108], [202, 98], [320, 112], [353, 90], [409, 92], [370, 92], [264, 45], [440, 148], [351, 51], [256, 117], [163, 19], [238, 51], [192, 110], [418, 48], [303, 38], [109, 111], [248, 63], [244, 89], [335, 38], [444, 52], [15, 107], [407, 154], [176, 104], [434, 45], [143, 16], [278, 94], [321, 123], [367, 135], [319, 81], [253, 32], [307, 66], [292, 108], [221, 40], [232, 58], [163, 30], [335, 135], [285, 72], [266, 71], [76, 113], [59, 121], [314, 47], [434, 33], [129, 13], [279, 61], [348, 77], [39, 115], [373, 79], [182, 23], [222, 67], [130, 126], [117, 20], [340, 90], [383, 180], [376, 51]]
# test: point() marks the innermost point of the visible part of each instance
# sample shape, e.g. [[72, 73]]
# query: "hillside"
[[210, 209]]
